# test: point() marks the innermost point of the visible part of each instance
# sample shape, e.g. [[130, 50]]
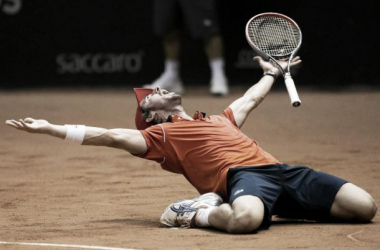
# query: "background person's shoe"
[[219, 86], [169, 82]]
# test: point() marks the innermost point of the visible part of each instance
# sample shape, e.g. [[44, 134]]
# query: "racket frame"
[[289, 83]]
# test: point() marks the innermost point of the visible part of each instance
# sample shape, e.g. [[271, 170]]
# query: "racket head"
[[273, 35]]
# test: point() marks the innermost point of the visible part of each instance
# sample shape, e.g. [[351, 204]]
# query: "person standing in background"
[[200, 18]]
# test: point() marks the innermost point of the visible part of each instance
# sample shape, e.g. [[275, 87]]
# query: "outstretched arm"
[[127, 139], [253, 97]]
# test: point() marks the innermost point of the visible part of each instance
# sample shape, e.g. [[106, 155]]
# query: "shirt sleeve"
[[154, 138], [227, 113]]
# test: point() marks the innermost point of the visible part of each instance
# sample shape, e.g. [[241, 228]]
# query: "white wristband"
[[75, 133]]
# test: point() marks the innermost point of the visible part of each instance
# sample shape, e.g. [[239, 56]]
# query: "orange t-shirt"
[[203, 149]]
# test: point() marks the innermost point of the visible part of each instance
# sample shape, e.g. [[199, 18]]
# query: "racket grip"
[[294, 99]]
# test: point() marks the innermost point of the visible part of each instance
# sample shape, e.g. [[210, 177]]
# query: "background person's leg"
[[214, 50], [170, 79], [202, 21], [171, 44], [167, 24]]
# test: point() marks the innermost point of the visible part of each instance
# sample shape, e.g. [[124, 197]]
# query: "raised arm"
[[253, 97], [127, 139]]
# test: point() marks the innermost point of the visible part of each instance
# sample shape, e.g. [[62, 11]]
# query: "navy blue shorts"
[[199, 18], [287, 191]]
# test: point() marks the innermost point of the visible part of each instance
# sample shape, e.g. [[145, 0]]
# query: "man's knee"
[[248, 214], [353, 203], [245, 223], [368, 211]]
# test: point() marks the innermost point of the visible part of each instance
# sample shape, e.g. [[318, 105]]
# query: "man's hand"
[[269, 67], [253, 97], [30, 125]]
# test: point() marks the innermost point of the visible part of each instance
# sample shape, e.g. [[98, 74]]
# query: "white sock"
[[171, 68], [201, 218], [217, 67]]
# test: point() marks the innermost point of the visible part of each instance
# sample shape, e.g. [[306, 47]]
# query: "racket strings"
[[274, 35]]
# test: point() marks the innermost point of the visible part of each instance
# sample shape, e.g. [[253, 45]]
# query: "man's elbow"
[[256, 101], [114, 139], [127, 142]]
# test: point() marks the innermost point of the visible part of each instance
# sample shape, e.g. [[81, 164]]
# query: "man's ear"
[[151, 116]]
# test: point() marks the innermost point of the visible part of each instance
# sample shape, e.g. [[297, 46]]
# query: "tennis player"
[[241, 185]]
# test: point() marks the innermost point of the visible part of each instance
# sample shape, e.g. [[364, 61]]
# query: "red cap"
[[141, 93]]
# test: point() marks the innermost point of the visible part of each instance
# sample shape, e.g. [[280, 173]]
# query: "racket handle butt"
[[296, 104], [294, 98]]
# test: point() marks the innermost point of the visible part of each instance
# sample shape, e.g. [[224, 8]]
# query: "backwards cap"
[[141, 93]]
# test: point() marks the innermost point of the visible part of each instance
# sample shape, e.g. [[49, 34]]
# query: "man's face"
[[161, 99]]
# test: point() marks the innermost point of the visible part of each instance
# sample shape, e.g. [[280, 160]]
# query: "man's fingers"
[[257, 58], [29, 120], [24, 124], [14, 123], [296, 58], [10, 123], [295, 62]]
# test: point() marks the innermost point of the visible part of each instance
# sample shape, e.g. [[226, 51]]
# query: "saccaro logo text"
[[10, 7], [107, 63]]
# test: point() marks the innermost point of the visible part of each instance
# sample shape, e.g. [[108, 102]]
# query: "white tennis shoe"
[[170, 82], [219, 85], [182, 213]]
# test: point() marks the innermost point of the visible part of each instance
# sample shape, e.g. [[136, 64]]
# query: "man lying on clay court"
[[222, 163]]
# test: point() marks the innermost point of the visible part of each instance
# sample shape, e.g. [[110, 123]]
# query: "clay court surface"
[[56, 192]]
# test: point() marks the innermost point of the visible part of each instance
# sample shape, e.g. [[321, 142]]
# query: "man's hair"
[[156, 119], [145, 112]]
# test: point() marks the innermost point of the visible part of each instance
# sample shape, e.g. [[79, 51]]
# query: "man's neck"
[[186, 116], [179, 110]]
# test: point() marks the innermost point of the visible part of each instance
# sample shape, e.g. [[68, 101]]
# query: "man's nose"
[[157, 89]]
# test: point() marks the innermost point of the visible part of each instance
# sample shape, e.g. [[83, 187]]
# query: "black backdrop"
[[92, 43]]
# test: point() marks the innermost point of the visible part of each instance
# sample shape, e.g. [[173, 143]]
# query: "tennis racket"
[[275, 37]]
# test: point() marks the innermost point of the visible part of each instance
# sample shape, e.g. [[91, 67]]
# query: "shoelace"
[[185, 214], [181, 210]]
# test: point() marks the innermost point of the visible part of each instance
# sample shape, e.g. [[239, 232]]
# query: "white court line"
[[351, 236], [63, 245]]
